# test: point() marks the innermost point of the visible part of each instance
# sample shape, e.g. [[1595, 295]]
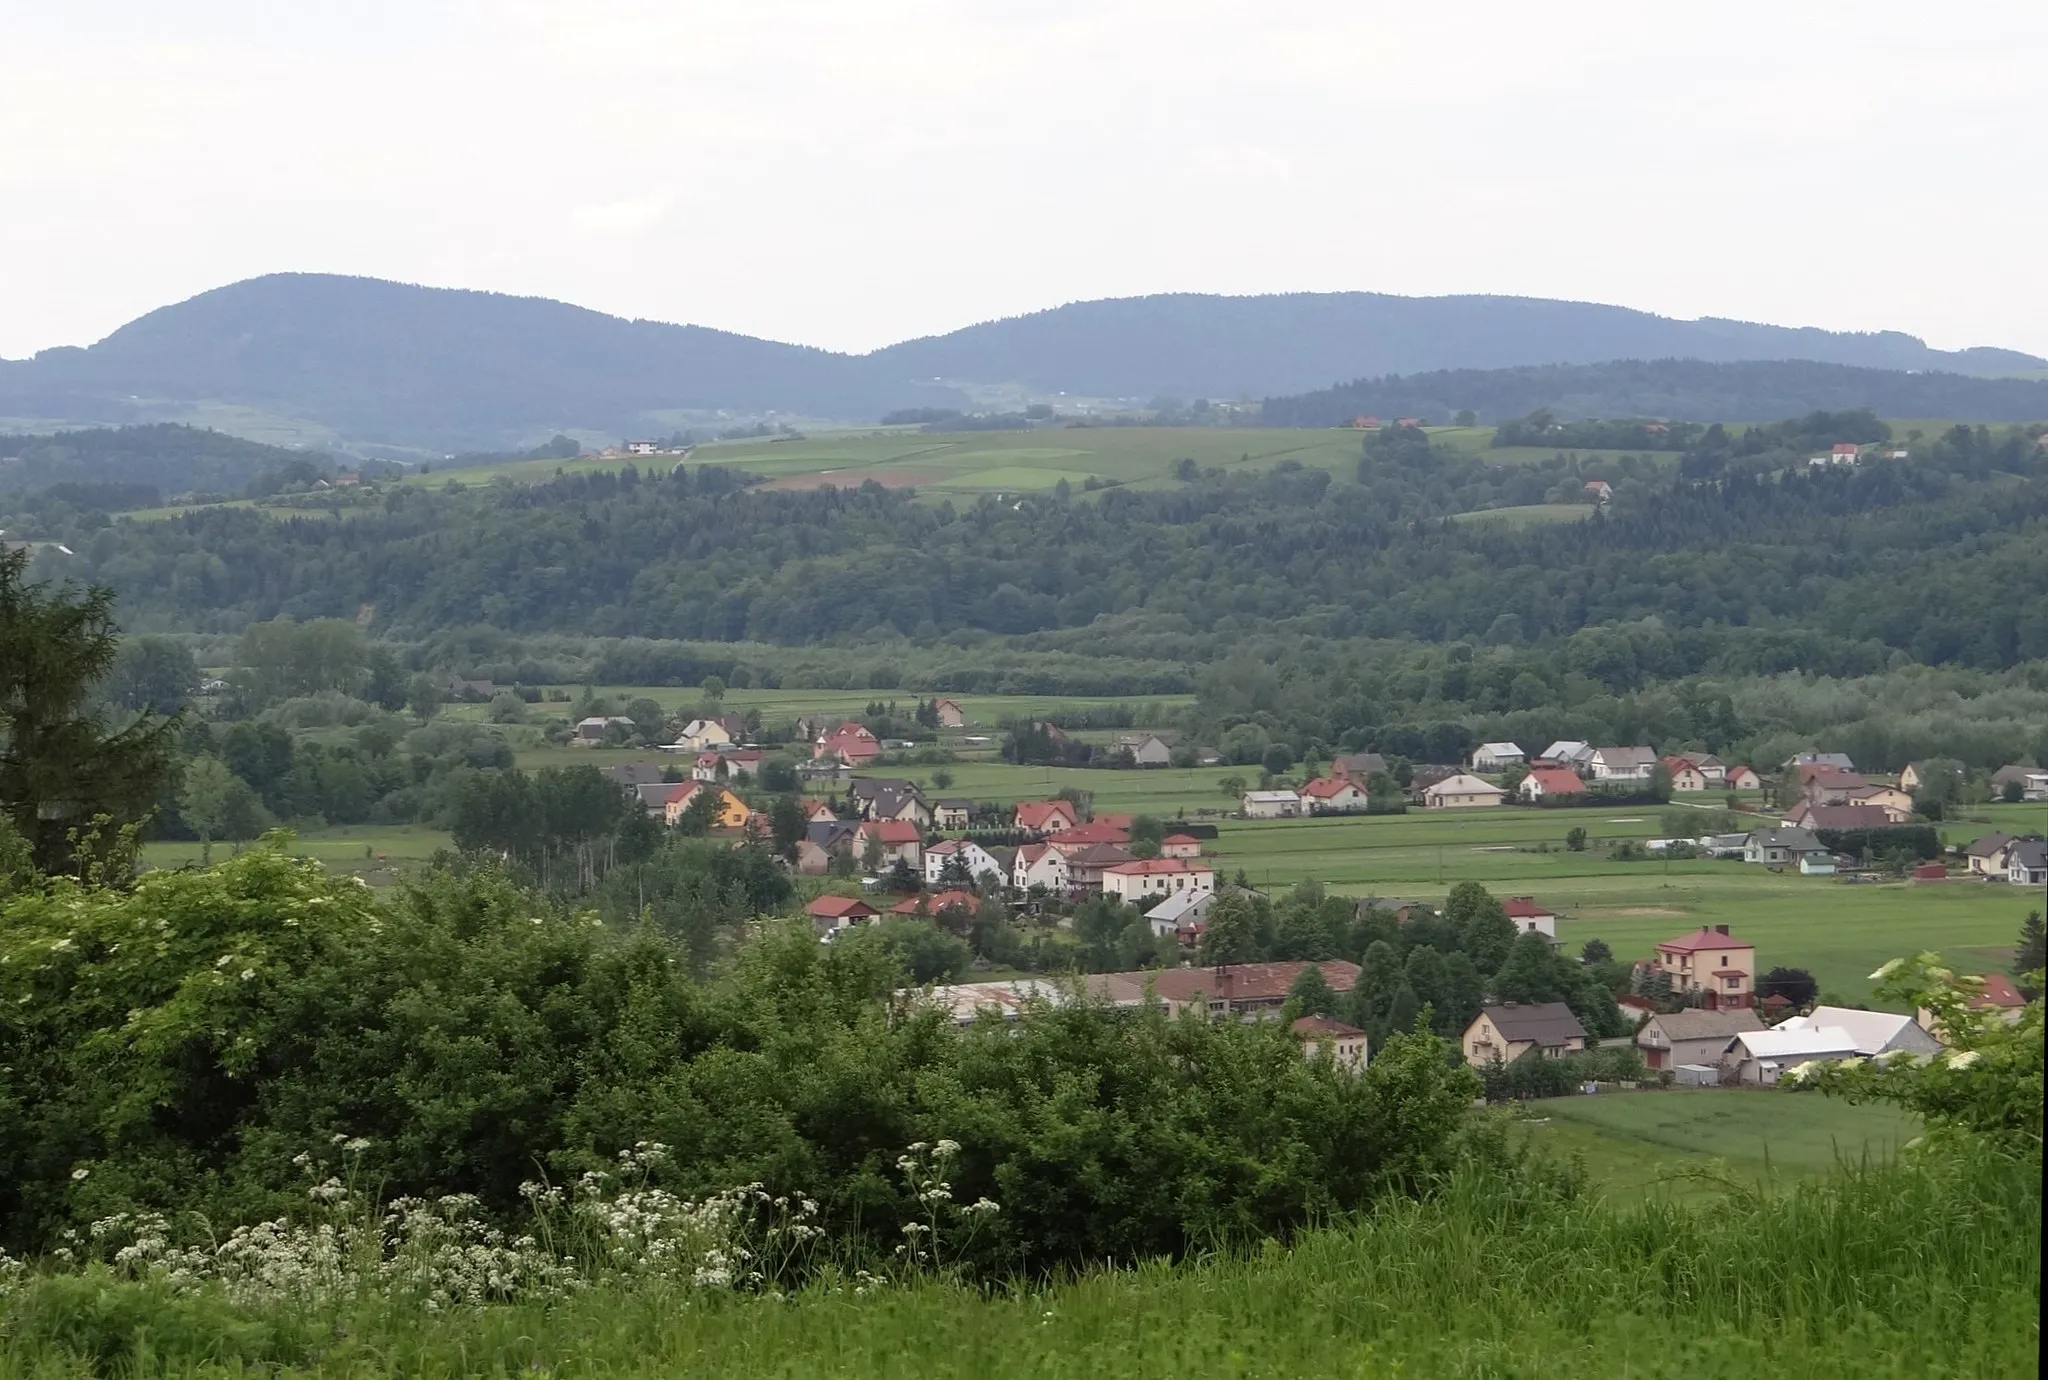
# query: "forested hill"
[[436, 370], [1943, 558], [1192, 345], [165, 458], [1676, 389]]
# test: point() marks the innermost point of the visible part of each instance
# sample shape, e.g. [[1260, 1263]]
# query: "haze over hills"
[[373, 363]]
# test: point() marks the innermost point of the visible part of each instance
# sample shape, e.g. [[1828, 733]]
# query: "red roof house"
[[931, 903], [1542, 783], [1180, 846], [834, 911], [851, 743]]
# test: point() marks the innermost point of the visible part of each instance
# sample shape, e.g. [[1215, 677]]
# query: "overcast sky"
[[850, 172]]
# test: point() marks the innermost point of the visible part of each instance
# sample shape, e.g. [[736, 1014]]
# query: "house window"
[[1734, 983]]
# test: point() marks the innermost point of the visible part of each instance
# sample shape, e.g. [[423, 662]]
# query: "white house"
[[1040, 865], [701, 734], [1271, 804], [1875, 1032], [1569, 752], [1764, 1056], [590, 732], [1330, 794], [1179, 909], [1462, 792], [1531, 918], [1623, 763], [1151, 878], [2026, 863], [972, 856], [1496, 757]]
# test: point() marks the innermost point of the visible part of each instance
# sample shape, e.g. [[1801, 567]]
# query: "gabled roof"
[[1842, 816], [838, 907], [934, 903], [828, 833], [1461, 783], [868, 787], [1032, 814], [1998, 991], [1525, 908], [1704, 1025], [1499, 749], [1543, 1022], [1873, 1031], [1702, 939], [1360, 763], [1101, 855], [2031, 854], [1243, 981], [1324, 1026], [1626, 756], [1781, 1043], [1325, 787], [1031, 853], [1678, 763], [1157, 867], [1565, 749], [1796, 840], [891, 831], [1557, 781], [1272, 797], [1082, 835], [1180, 838]]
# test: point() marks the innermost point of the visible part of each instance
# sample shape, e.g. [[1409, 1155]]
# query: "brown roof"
[[1998, 991], [1244, 981], [1323, 1025], [1705, 1025], [1703, 939], [837, 907], [1542, 1023], [1842, 817]]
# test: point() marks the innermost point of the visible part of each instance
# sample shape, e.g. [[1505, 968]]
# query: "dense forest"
[[1681, 389]]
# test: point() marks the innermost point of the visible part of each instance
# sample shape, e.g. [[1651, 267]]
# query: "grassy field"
[[1531, 514], [380, 855], [983, 710], [1696, 1142]]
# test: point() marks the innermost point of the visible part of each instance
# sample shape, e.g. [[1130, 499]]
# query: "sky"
[[847, 175]]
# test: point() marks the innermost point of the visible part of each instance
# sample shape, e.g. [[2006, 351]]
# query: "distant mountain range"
[[359, 361]]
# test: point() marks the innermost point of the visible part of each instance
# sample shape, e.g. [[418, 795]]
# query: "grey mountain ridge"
[[434, 368]]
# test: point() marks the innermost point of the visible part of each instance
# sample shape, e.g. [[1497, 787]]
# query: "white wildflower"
[[1963, 1059], [1887, 970], [80, 1174], [248, 973], [1799, 1073]]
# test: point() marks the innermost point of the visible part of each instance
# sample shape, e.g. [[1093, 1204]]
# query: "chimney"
[[1720, 929]]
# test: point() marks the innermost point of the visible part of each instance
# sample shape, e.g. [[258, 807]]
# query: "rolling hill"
[[340, 361]]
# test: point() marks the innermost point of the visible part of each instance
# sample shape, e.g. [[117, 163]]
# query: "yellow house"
[[1462, 792], [732, 811], [1712, 965], [1504, 1033]]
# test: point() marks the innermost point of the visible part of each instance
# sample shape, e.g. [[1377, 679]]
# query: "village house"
[[2013, 773], [1462, 792], [1549, 783], [1180, 846], [1147, 879], [1344, 1044], [1040, 865], [817, 811], [1671, 1038], [1806, 815], [1270, 805], [1824, 783], [829, 913], [1180, 914], [708, 735], [1710, 967], [1504, 1033], [1327, 795], [1874, 1032], [1567, 752], [2026, 863], [823, 841], [938, 903], [1838, 760], [1994, 993], [950, 714], [907, 806], [1236, 991], [1359, 767], [894, 840], [1684, 775], [632, 774], [732, 811], [1781, 847], [1742, 778], [1090, 835], [1046, 816], [1086, 866], [653, 797], [850, 743], [471, 691], [1148, 749], [1531, 918], [1987, 854], [1711, 768], [952, 814], [1497, 757], [972, 856], [590, 732], [726, 766], [1623, 763], [1762, 1057], [1600, 489], [1890, 799]]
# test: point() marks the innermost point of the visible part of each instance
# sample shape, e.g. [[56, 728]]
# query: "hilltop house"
[[1462, 792], [1549, 783], [1046, 816], [1149, 879], [1623, 763], [1504, 1033], [1669, 1039], [1710, 966], [1331, 795], [1497, 757], [1270, 805]]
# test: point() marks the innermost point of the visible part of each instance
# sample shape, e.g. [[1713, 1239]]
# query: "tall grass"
[[1927, 1268]]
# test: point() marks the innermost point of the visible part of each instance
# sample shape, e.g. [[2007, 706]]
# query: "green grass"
[[983, 711], [1531, 514], [1886, 1271], [1696, 1142], [379, 854]]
